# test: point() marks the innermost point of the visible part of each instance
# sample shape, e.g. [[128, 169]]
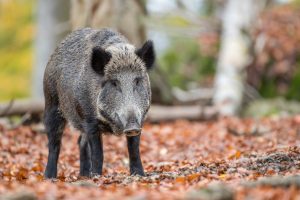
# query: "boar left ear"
[[147, 54], [100, 58]]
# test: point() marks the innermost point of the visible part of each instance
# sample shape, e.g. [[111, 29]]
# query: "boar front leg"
[[85, 156], [95, 142], [136, 167], [94, 139]]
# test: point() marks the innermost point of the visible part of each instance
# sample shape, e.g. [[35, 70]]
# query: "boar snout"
[[133, 127], [134, 131], [130, 122]]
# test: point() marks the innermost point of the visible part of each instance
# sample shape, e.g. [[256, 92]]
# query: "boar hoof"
[[94, 175], [85, 174], [137, 172], [49, 175]]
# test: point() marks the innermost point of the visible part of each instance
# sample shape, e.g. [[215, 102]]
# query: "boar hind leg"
[[136, 167], [85, 159], [54, 124]]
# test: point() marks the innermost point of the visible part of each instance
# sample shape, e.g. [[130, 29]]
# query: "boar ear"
[[100, 58], [147, 54]]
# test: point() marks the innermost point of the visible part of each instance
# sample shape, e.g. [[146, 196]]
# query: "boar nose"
[[130, 121], [132, 127], [132, 131]]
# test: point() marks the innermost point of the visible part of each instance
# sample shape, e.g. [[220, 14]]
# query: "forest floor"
[[229, 158]]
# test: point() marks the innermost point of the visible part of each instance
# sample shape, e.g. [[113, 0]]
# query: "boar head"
[[125, 94]]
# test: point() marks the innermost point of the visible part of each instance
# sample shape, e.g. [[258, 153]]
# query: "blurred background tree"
[[235, 53], [189, 39], [52, 26], [126, 16]]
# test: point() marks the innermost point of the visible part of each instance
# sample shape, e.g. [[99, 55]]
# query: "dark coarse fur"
[[96, 81]]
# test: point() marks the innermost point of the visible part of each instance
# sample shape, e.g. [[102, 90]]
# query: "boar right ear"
[[100, 58], [147, 54]]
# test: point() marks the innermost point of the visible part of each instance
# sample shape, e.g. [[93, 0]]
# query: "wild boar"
[[99, 83]]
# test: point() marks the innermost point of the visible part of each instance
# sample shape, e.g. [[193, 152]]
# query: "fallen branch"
[[21, 107], [156, 113], [169, 113]]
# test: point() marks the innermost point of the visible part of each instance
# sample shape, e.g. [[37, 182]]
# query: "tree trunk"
[[235, 54], [52, 26], [126, 16]]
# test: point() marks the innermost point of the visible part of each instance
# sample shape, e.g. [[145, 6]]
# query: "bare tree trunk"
[[52, 26], [239, 15], [126, 16]]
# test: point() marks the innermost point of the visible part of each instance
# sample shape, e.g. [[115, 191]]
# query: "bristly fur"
[[123, 56]]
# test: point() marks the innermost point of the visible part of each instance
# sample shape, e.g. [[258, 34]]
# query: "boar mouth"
[[127, 132], [132, 132]]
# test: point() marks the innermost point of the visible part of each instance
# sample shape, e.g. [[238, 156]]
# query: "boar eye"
[[114, 83], [137, 81]]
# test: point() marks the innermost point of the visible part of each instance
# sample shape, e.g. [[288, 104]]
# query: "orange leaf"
[[180, 179], [193, 177]]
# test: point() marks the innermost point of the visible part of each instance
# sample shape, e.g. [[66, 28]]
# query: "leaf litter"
[[219, 159]]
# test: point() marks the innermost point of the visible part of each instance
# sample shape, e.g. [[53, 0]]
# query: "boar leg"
[[85, 160], [136, 167], [94, 139], [54, 124], [96, 154]]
